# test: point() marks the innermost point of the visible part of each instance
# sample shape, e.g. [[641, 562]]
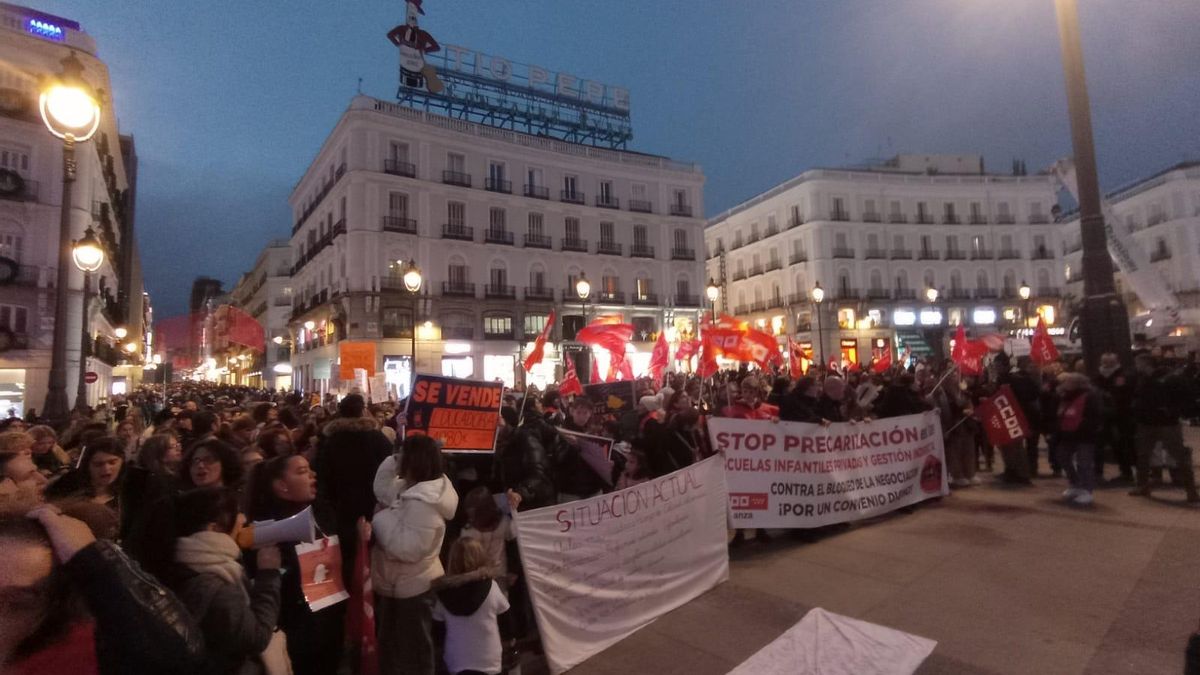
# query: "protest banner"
[[354, 355], [321, 573], [596, 452], [797, 475], [1003, 418], [599, 569], [611, 398], [461, 414]]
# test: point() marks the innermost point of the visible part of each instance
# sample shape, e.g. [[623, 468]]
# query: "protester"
[[50, 459], [211, 462], [1157, 404], [162, 456], [492, 528], [408, 534], [21, 485], [1079, 426], [470, 605], [522, 466]]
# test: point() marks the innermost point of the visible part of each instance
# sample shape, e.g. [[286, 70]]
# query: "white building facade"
[[502, 225], [32, 46], [876, 239], [265, 293]]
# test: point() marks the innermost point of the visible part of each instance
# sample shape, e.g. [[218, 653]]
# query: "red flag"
[[708, 355], [594, 376], [360, 623], [610, 336], [1041, 347], [570, 384], [796, 359], [1003, 418], [759, 347], [539, 345], [687, 349], [968, 354], [660, 357], [884, 363]]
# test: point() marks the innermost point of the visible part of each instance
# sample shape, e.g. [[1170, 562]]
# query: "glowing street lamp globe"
[[87, 252], [931, 294], [818, 293], [278, 339], [120, 332], [412, 277], [713, 291], [69, 107], [583, 288], [1024, 291]]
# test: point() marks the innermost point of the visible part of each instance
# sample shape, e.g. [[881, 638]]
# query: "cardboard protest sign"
[[601, 568], [792, 474], [356, 355], [321, 573], [611, 398], [1003, 418], [461, 414], [596, 452]]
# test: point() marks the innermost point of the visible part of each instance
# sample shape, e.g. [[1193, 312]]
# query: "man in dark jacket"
[[1119, 426], [900, 398], [350, 451], [800, 404], [573, 476], [1157, 401], [523, 464]]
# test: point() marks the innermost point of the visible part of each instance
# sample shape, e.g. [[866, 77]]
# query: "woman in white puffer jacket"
[[408, 533]]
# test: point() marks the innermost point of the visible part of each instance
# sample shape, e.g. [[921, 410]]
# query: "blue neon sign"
[[45, 29]]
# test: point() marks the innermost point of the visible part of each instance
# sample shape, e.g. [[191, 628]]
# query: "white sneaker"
[[1071, 493], [1084, 498]]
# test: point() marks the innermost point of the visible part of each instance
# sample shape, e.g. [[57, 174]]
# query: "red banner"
[[968, 354], [570, 385], [797, 361], [884, 363], [660, 358], [1003, 418], [610, 336], [687, 349], [1041, 347], [539, 346]]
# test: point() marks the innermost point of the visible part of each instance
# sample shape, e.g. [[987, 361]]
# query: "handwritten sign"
[[601, 568], [461, 414], [356, 355]]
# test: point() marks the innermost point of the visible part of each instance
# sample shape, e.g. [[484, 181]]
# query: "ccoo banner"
[[797, 475], [461, 414], [601, 568]]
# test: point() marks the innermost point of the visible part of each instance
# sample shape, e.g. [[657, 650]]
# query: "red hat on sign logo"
[[417, 4]]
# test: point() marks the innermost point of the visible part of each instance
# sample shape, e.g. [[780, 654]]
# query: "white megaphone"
[[297, 528]]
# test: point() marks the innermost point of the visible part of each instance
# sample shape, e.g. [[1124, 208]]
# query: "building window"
[[496, 172], [498, 277], [753, 231], [606, 192], [638, 190], [14, 318], [537, 278], [457, 274], [398, 152], [639, 236], [456, 214], [645, 288], [535, 224], [680, 198], [14, 160], [456, 162], [534, 176], [11, 245], [535, 323], [606, 233], [796, 218], [922, 213], [681, 240], [497, 220], [397, 205], [611, 284], [570, 185], [497, 326], [572, 225]]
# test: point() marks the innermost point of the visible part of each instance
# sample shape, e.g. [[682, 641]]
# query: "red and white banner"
[[968, 354], [1041, 347], [797, 475], [1003, 418], [601, 568], [539, 346]]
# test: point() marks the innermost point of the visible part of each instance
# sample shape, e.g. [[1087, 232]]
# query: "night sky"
[[229, 101]]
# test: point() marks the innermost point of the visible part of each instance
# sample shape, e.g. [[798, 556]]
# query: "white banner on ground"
[[791, 474], [601, 568]]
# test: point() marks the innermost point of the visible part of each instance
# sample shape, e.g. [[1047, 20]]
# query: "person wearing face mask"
[[281, 488], [1119, 425]]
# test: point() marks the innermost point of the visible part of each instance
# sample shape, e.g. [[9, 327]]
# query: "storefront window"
[[500, 367], [849, 351], [397, 372], [846, 317], [12, 391], [458, 366]]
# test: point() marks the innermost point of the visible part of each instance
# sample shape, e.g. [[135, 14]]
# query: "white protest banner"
[[601, 568], [792, 474]]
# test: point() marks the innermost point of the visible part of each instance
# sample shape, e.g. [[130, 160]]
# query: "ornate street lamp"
[[70, 109], [713, 292], [583, 288], [1024, 291], [412, 283], [818, 297], [931, 294], [88, 256]]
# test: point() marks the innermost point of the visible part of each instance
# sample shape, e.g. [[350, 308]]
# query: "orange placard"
[[356, 355], [321, 573]]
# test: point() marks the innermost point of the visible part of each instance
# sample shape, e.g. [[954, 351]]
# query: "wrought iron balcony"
[[981, 254], [577, 245], [773, 265], [641, 206], [497, 236], [397, 168], [878, 294], [979, 220], [684, 253], [458, 289], [459, 232], [875, 254], [924, 219], [539, 293], [612, 296], [870, 217], [1038, 219], [645, 298], [843, 252], [1005, 219], [684, 210], [950, 219], [956, 255], [572, 197], [609, 248], [498, 185], [499, 291], [538, 241], [898, 218], [986, 293], [608, 202], [1009, 254], [456, 178], [400, 224], [798, 258], [904, 293], [840, 216], [687, 300], [641, 251], [901, 254], [1041, 254], [537, 191]]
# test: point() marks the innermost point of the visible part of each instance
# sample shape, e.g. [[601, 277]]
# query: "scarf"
[[208, 552]]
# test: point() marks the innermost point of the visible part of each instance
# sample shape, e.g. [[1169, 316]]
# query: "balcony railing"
[[1009, 254], [956, 255], [771, 231], [843, 252], [683, 254], [456, 178], [684, 210], [494, 236], [875, 254], [904, 294], [539, 293], [608, 202], [27, 275], [846, 293], [1037, 219], [498, 185], [491, 334], [645, 298], [981, 254], [458, 288], [538, 241], [24, 190], [950, 219], [1047, 292], [499, 291], [458, 333], [459, 232], [400, 224], [870, 217], [958, 294], [577, 245], [641, 251], [794, 223], [774, 265], [901, 254], [612, 296], [537, 191], [1005, 219], [739, 275], [687, 300], [840, 216], [924, 219], [878, 294], [986, 293], [799, 298], [797, 258], [398, 168], [979, 220], [641, 206], [572, 197], [1041, 254], [609, 248], [898, 218], [756, 270]]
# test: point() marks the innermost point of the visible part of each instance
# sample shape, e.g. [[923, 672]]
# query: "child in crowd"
[[469, 604], [636, 470], [492, 529]]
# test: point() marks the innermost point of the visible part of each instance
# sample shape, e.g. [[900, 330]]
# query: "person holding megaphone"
[[281, 488]]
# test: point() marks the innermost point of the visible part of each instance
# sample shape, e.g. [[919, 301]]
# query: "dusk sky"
[[229, 102]]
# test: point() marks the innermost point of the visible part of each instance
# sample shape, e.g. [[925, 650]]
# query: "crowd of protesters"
[[123, 528]]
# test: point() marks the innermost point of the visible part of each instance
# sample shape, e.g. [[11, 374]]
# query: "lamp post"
[[1105, 320], [713, 292], [583, 289], [412, 283], [71, 111], [1024, 292], [818, 296], [88, 257]]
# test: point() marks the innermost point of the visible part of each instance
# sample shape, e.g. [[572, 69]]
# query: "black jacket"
[[523, 464], [897, 400], [350, 451], [796, 407], [1159, 399], [140, 626], [829, 409], [572, 474], [237, 622], [1091, 424], [670, 450], [1028, 395]]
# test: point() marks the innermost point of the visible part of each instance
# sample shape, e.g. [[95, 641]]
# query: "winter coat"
[[408, 534], [470, 605], [797, 407], [237, 621], [523, 465], [1159, 399], [572, 474], [1089, 427], [898, 400], [349, 453], [670, 451]]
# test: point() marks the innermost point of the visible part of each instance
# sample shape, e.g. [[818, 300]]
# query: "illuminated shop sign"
[[45, 29]]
